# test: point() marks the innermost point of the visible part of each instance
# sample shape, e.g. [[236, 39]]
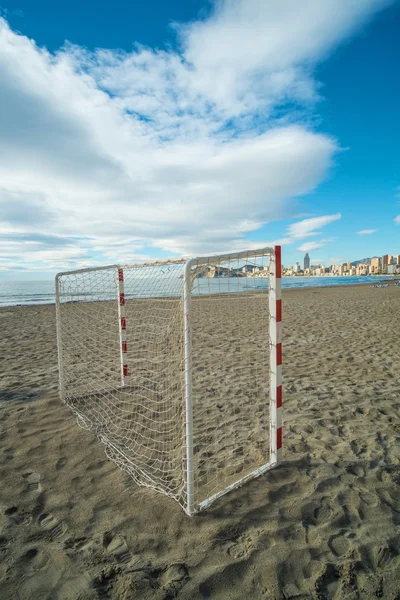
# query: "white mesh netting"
[[139, 411]]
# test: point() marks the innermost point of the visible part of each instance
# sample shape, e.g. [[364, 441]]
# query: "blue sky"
[[177, 128]]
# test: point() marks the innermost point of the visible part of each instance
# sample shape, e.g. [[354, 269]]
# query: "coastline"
[[285, 280]]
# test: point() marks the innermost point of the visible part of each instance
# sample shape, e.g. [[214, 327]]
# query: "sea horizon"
[[39, 292]]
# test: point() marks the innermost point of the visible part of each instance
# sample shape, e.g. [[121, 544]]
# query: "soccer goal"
[[176, 367]]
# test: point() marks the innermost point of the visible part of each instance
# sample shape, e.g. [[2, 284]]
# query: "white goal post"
[[176, 366]]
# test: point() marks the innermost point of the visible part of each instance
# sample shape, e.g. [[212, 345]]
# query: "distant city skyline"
[[384, 260], [386, 264]]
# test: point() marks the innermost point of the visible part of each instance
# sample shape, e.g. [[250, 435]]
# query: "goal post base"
[[234, 486]]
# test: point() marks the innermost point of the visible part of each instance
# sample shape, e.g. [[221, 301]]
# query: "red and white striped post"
[[275, 338], [122, 325]]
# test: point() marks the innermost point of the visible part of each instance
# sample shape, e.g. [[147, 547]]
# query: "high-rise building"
[[306, 261], [398, 259], [385, 260], [390, 260], [375, 264], [362, 269]]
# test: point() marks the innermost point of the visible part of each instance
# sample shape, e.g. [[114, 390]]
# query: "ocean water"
[[16, 293]]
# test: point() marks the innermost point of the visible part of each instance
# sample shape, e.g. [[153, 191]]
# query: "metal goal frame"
[[275, 357]]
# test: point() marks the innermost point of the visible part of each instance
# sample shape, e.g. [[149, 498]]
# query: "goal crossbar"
[[174, 261]]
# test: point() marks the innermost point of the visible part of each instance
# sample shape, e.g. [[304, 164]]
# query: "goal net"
[[175, 366]]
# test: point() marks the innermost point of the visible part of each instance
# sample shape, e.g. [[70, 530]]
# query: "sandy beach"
[[324, 525]]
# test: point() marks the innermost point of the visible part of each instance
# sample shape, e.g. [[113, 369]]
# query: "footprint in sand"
[[357, 449], [61, 463], [118, 548], [382, 556], [355, 469], [30, 554], [33, 481], [367, 498], [11, 510], [173, 579], [52, 525], [323, 512], [391, 499], [18, 516], [83, 544], [389, 474], [338, 545], [238, 550], [35, 560]]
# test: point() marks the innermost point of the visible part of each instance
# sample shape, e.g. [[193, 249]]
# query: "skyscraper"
[[306, 261], [375, 263]]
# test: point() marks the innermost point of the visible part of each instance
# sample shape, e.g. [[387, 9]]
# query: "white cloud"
[[366, 231], [309, 246], [113, 152], [310, 227], [397, 220], [251, 50]]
